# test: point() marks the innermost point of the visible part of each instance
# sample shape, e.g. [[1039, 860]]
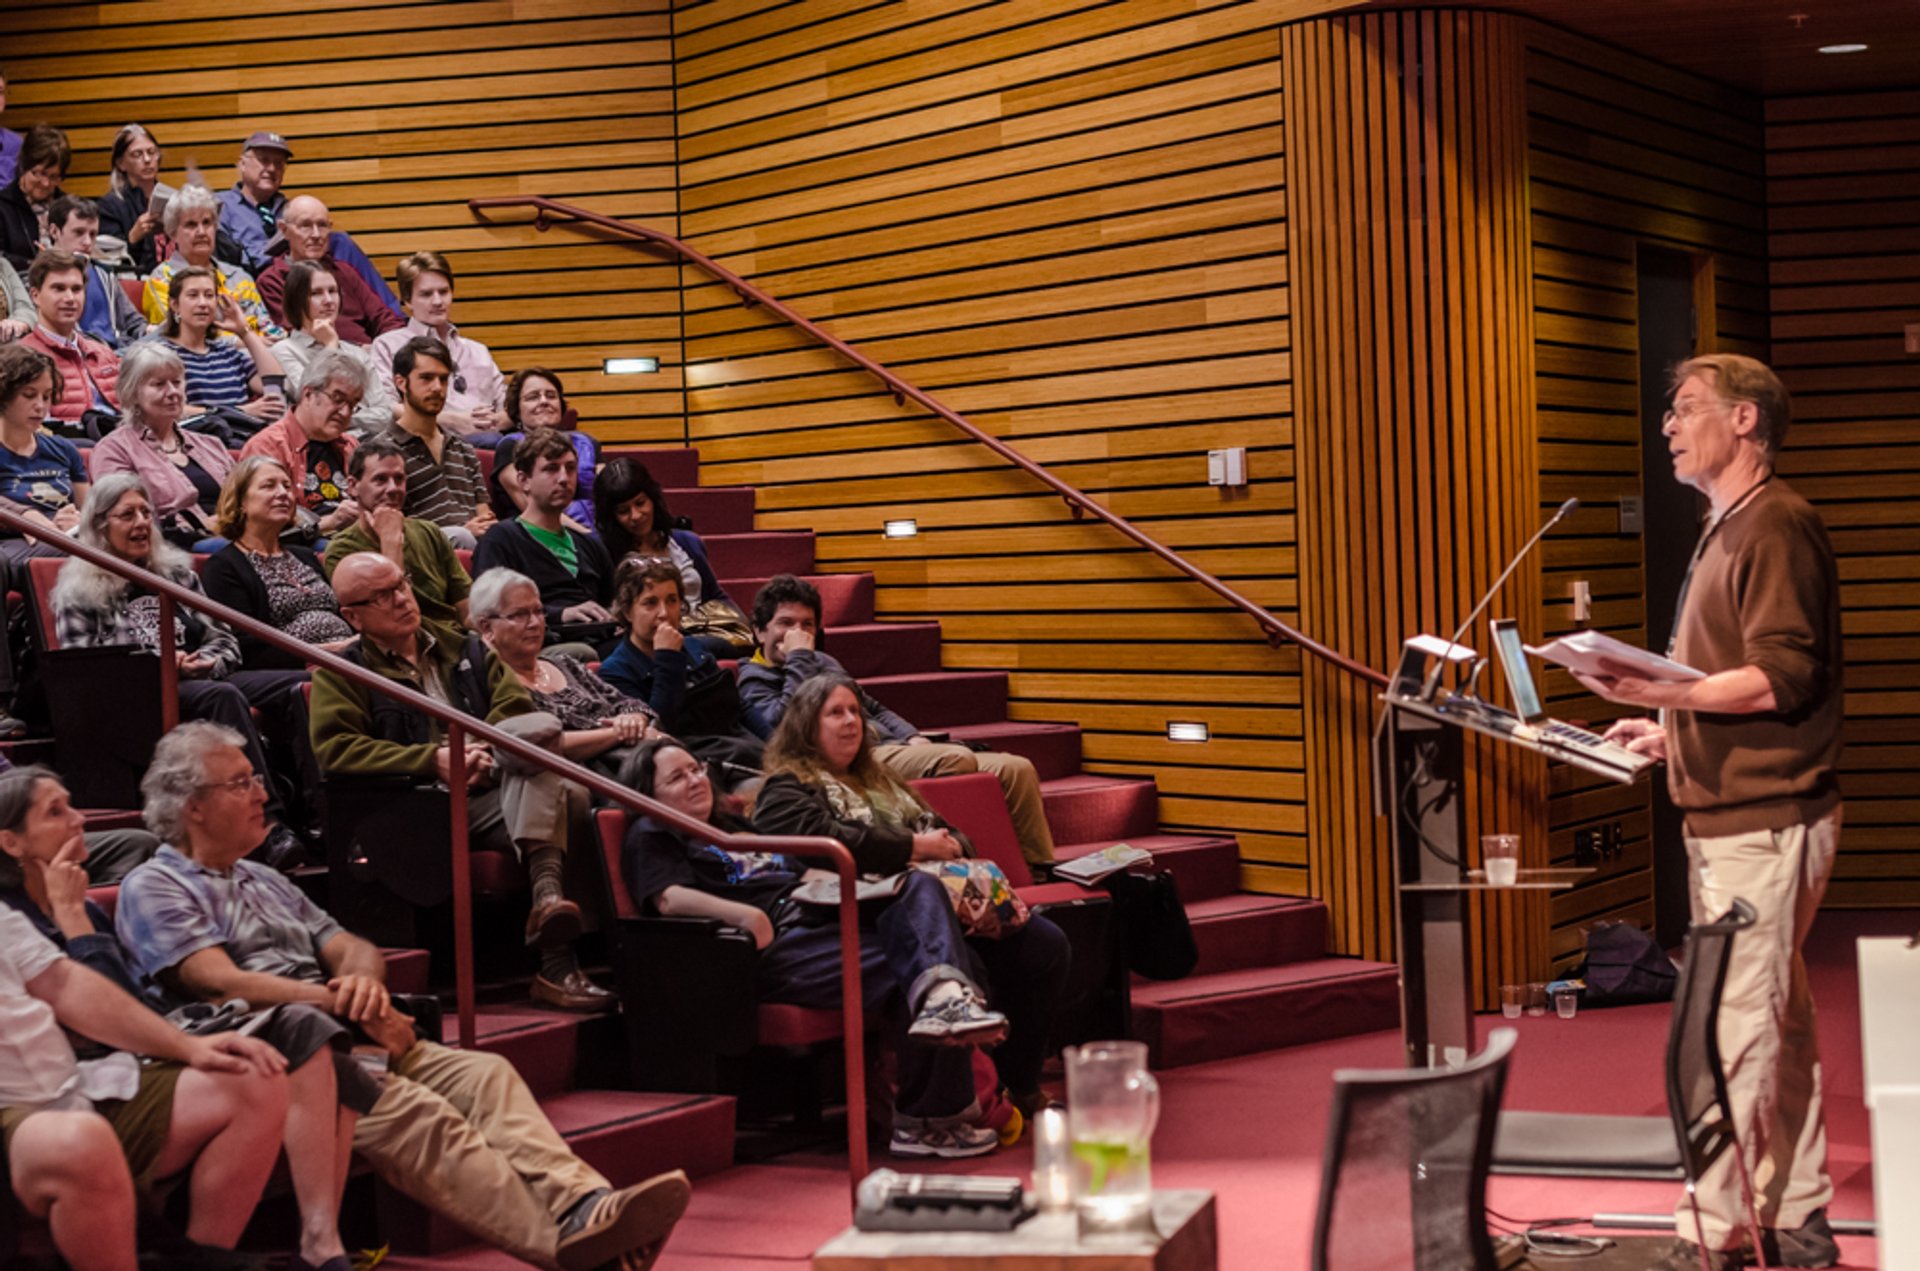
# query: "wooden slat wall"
[[1067, 220], [1406, 146], [399, 113], [1622, 152], [1843, 207]]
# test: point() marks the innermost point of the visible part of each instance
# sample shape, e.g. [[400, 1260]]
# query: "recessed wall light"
[[1189, 730], [901, 529], [1843, 48], [631, 365]]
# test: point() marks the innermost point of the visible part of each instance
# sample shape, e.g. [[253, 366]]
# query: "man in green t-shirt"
[[572, 569], [377, 482]]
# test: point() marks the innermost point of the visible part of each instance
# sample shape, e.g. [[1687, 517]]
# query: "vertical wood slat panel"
[[512, 100], [1412, 334], [1843, 200]]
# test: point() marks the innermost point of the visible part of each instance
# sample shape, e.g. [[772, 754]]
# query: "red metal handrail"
[[459, 726], [1078, 502]]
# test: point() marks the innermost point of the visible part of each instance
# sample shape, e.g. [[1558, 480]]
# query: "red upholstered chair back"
[[135, 289], [466, 559], [485, 455], [44, 572], [973, 803], [108, 897], [612, 826]]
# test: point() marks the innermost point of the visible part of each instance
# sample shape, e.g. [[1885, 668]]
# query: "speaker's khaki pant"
[[1019, 782], [1767, 1042]]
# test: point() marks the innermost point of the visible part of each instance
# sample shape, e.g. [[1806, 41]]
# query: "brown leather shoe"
[[573, 992], [553, 924], [635, 1220]]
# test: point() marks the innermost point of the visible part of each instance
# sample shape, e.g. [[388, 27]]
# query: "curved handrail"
[[458, 725], [1078, 502]]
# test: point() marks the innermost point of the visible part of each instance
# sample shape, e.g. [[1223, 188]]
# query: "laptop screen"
[[1513, 664]]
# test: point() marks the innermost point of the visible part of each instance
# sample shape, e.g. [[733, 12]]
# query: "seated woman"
[[43, 855], [602, 725], [822, 779], [312, 306], [192, 221], [630, 510], [134, 185], [93, 608], [281, 584], [221, 373], [535, 399], [180, 471], [694, 697]]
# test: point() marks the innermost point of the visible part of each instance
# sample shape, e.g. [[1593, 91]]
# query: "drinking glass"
[[1566, 1001], [1113, 1103], [1500, 856], [1536, 999], [1513, 1000]]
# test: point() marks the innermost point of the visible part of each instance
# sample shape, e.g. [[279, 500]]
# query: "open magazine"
[[824, 889], [1583, 650], [1094, 866]]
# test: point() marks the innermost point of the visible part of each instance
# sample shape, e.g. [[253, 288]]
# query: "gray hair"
[[140, 363], [490, 590], [178, 770], [192, 197], [329, 365], [83, 584]]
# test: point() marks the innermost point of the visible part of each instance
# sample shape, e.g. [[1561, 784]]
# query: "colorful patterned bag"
[[983, 897]]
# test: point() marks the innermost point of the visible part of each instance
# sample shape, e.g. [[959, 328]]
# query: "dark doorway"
[[1669, 331]]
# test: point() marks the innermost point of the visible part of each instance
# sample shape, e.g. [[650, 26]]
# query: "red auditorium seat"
[[136, 291]]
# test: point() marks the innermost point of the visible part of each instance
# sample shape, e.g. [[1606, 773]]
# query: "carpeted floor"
[[1251, 1130]]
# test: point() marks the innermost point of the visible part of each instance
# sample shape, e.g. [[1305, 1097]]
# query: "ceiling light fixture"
[[1843, 48]]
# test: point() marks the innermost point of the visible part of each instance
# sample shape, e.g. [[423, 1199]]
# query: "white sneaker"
[[958, 1019], [952, 1143]]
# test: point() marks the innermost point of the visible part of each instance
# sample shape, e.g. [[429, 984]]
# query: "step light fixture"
[[1843, 48], [905, 528], [631, 365], [1187, 730]]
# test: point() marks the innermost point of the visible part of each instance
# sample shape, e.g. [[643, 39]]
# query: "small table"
[[1045, 1242]]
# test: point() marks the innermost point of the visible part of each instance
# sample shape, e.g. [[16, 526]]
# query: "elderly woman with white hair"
[[181, 470], [96, 608], [601, 725], [192, 221]]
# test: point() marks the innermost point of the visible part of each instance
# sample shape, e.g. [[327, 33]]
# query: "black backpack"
[[1624, 966]]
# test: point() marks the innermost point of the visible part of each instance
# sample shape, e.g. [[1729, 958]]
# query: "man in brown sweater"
[[1753, 756]]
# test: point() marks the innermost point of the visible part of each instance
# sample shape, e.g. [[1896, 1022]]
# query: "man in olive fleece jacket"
[[1753, 755]]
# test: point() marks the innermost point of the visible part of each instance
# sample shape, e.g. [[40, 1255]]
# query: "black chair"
[[1403, 1186], [1699, 1125]]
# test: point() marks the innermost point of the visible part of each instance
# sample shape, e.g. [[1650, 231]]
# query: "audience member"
[[569, 566], [94, 608], [514, 805], [73, 224], [823, 779], [250, 212], [457, 1130], [786, 623], [633, 518], [43, 479], [312, 306], [87, 1143], [9, 139], [191, 221], [88, 368], [222, 374], [308, 228], [312, 441], [256, 573], [110, 853], [44, 873], [477, 393], [601, 725], [136, 197], [444, 484], [377, 485], [24, 200], [535, 399], [180, 470], [16, 306], [694, 697]]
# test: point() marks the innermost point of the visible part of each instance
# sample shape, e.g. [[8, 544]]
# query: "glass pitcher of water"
[[1113, 1103]]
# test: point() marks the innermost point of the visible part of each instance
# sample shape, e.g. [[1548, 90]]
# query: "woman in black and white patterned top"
[[279, 583]]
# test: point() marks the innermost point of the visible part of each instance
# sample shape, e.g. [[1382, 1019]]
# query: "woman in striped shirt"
[[220, 371]]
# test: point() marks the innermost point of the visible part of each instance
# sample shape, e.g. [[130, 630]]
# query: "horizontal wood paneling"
[[398, 113], [1843, 198]]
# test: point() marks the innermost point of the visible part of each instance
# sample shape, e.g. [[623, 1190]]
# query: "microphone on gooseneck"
[[1440, 665]]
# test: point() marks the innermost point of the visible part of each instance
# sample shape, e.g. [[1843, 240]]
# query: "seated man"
[[514, 806], [308, 229], [457, 1130], [786, 623], [110, 316], [444, 484], [312, 443], [251, 212], [89, 369], [570, 567], [86, 1142], [377, 487], [476, 406]]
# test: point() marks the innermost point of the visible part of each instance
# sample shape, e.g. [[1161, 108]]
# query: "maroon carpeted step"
[[943, 699], [407, 970], [715, 509], [542, 1044], [845, 599], [1238, 932], [1090, 808], [671, 466], [1053, 748], [759, 554], [885, 648], [1264, 1008]]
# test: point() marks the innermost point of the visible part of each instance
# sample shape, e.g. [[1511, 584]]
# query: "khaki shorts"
[[140, 1123]]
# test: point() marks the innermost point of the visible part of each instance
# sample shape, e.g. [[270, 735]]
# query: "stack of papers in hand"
[[1094, 866], [826, 891], [1583, 650]]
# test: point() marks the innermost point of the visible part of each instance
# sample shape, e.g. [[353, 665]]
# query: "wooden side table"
[[1045, 1242]]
